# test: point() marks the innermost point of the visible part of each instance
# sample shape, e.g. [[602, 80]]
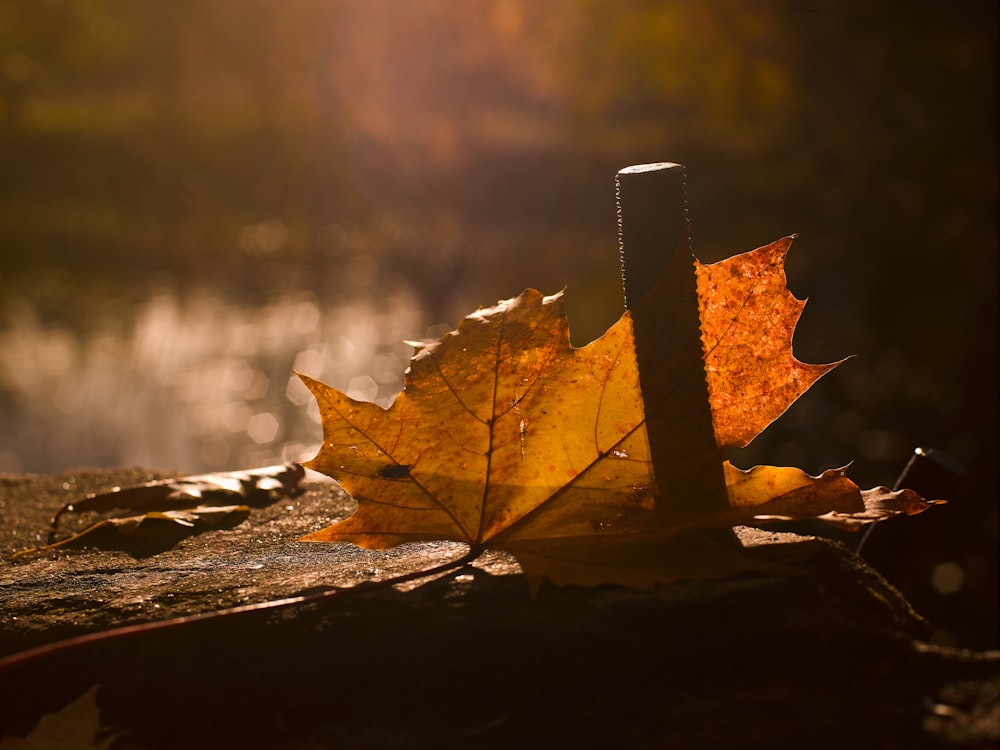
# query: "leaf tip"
[[323, 535], [309, 382]]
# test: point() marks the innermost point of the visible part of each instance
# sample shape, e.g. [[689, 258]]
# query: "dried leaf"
[[506, 437], [257, 487], [76, 725], [774, 493], [173, 508], [152, 531]]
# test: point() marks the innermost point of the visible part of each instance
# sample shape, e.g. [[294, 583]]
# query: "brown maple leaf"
[[748, 317], [506, 437]]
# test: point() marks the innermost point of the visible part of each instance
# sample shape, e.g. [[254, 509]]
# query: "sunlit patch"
[[176, 380], [387, 368], [235, 416], [295, 391], [947, 577], [309, 360], [304, 317], [362, 271], [245, 379], [263, 428], [362, 388], [214, 452], [264, 238]]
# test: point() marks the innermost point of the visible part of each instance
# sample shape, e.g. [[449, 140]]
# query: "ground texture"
[[829, 657]]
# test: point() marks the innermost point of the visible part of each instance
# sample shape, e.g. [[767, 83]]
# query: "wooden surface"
[[828, 657]]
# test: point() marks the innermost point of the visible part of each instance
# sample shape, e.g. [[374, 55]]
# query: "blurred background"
[[198, 198]]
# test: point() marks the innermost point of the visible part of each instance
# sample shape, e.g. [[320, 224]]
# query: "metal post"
[[654, 233]]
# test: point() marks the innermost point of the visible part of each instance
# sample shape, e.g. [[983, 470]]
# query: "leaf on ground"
[[76, 725], [506, 437], [172, 509], [257, 487], [147, 532]]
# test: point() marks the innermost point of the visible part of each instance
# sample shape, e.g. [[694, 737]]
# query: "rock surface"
[[828, 657]]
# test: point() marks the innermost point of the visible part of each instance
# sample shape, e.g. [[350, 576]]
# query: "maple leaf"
[[507, 437]]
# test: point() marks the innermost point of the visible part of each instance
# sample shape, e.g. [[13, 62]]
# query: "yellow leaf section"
[[790, 490], [642, 554], [748, 318], [502, 427], [767, 493]]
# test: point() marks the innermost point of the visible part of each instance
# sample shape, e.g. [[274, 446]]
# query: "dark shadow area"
[[470, 660]]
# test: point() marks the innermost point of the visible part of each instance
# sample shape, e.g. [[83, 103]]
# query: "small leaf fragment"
[[77, 724], [783, 493], [880, 503]]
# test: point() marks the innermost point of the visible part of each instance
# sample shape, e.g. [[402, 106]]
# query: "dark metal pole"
[[652, 222], [654, 233]]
